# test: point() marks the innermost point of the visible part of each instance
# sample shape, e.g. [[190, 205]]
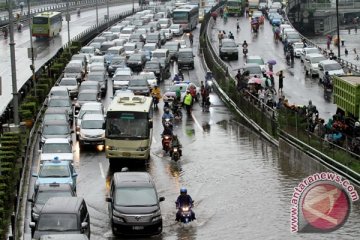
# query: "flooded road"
[[242, 185]]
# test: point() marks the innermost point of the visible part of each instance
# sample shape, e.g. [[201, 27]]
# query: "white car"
[[177, 29], [168, 33], [130, 48], [170, 94], [182, 43], [121, 78], [254, 69], [308, 50], [330, 66], [257, 60], [56, 147], [298, 47], [92, 130], [90, 107], [150, 77], [164, 22], [71, 84], [311, 63]]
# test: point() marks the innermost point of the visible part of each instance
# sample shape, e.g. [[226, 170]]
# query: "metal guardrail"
[[83, 37], [329, 6]]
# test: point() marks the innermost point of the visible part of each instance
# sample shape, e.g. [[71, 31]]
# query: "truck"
[[235, 7], [347, 94], [253, 5]]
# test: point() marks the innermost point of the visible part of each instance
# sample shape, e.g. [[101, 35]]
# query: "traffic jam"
[[105, 101]]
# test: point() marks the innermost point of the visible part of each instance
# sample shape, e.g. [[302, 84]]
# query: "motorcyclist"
[[78, 11], [176, 78], [19, 27], [184, 200], [181, 75], [155, 92], [326, 80], [331, 55], [167, 115], [175, 142], [231, 35], [244, 45]]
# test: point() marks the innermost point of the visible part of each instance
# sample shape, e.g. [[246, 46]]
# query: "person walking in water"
[[281, 82]]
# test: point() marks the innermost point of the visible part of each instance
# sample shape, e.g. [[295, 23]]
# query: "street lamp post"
[[13, 64], [97, 16], [32, 52], [108, 16], [133, 6], [68, 22], [337, 27]]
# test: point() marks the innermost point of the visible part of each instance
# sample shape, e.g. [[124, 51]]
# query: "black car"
[[136, 62], [155, 67], [101, 78], [116, 62], [134, 204], [46, 191]]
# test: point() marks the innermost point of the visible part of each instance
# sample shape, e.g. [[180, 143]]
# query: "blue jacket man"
[[184, 200]]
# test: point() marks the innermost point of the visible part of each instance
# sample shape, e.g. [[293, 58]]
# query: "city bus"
[[187, 16], [46, 24], [235, 7], [128, 127]]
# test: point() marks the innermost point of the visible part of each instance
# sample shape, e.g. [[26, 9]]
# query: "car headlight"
[[142, 149], [157, 218]]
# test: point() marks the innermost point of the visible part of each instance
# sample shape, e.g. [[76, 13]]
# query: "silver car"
[[92, 130]]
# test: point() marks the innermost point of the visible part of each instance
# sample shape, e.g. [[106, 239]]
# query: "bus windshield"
[[180, 16], [40, 20], [127, 125]]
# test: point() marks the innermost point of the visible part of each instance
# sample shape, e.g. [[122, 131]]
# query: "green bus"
[[234, 7], [46, 24]]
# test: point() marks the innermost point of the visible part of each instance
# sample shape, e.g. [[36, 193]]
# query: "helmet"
[[183, 190], [166, 110], [357, 124], [326, 72]]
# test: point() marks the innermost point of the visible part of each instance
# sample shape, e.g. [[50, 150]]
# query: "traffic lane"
[[5, 14], [298, 89], [46, 48]]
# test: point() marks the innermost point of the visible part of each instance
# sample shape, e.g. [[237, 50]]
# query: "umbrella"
[[254, 80], [269, 73], [272, 62]]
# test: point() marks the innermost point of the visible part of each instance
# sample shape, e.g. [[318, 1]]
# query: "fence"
[[83, 38], [269, 122]]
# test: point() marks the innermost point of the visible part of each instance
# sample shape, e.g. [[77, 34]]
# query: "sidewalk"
[[351, 42]]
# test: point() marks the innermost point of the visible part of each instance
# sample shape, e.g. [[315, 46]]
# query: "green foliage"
[[44, 87], [30, 106]]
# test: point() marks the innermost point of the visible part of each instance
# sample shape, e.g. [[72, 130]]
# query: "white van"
[[311, 63], [331, 66]]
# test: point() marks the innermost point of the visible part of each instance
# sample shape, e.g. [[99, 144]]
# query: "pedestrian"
[[237, 25], [188, 101], [281, 82], [271, 69], [349, 29], [357, 57], [220, 37], [355, 50], [328, 42], [272, 80], [355, 28], [346, 52]]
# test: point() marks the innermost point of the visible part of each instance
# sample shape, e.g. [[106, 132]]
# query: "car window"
[[56, 148], [59, 103], [92, 124], [54, 171], [58, 222], [49, 117], [88, 96], [68, 82], [56, 130], [135, 196], [43, 196]]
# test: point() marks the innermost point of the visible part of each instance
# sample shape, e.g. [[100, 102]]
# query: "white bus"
[[128, 128], [47, 24], [187, 16]]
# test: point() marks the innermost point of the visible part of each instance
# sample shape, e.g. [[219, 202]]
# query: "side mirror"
[[161, 199], [150, 123], [30, 200], [34, 174], [32, 224], [108, 199], [75, 175], [84, 225]]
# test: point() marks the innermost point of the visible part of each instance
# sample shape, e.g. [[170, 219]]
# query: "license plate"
[[126, 154], [138, 227]]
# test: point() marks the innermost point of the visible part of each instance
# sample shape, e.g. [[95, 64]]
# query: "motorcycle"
[[175, 153], [166, 142], [155, 101], [206, 104], [176, 109], [186, 214]]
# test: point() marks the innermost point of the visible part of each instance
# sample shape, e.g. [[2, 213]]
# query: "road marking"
[[101, 170], [196, 122]]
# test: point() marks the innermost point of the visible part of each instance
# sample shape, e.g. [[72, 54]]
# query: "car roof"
[[56, 122], [62, 204], [185, 50], [56, 140], [254, 57], [314, 55], [228, 40], [92, 116], [251, 65], [92, 105], [132, 178], [328, 61], [88, 91], [55, 110]]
